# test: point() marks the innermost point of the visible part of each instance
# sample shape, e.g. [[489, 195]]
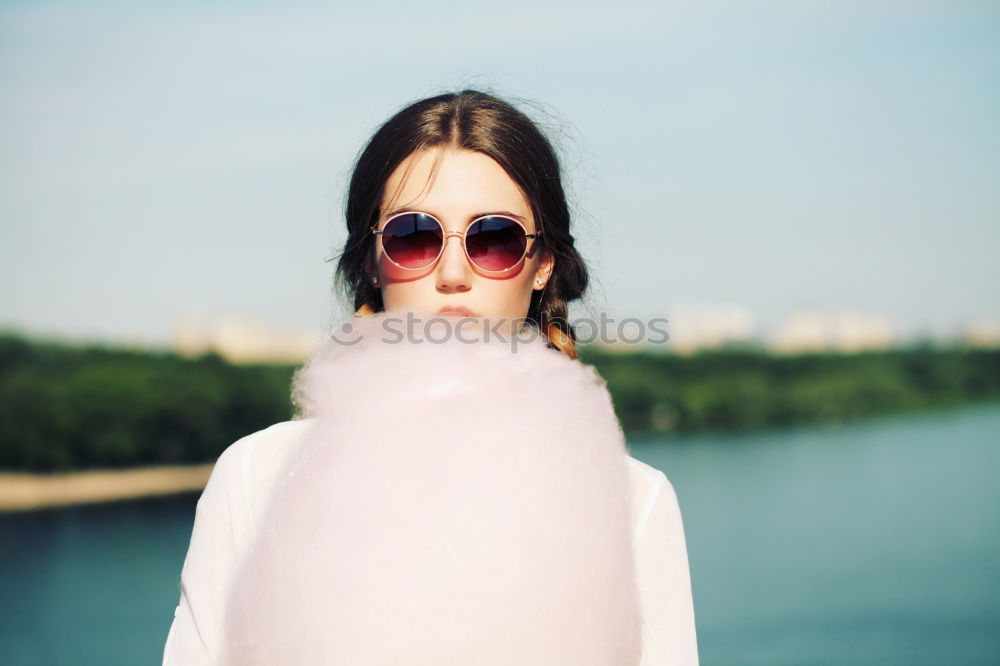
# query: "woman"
[[472, 168]]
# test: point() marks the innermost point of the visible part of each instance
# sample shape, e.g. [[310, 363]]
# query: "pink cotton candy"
[[453, 503]]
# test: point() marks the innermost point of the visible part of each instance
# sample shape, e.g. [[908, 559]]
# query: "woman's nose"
[[454, 274]]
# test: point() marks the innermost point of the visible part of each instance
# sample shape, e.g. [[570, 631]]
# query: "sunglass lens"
[[412, 240], [496, 243]]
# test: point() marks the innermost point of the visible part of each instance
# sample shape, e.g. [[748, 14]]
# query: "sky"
[[166, 160]]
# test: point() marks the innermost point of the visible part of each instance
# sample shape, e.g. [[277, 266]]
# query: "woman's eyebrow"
[[505, 213], [397, 211]]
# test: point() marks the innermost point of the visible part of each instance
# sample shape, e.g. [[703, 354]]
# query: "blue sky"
[[163, 159]]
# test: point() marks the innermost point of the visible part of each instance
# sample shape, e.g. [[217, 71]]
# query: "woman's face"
[[465, 186]]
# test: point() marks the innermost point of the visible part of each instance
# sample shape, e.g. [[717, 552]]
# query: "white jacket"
[[227, 516]]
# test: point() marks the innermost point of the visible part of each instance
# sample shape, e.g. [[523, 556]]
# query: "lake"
[[869, 543]]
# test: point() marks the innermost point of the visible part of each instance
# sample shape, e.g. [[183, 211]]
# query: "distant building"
[[981, 332], [693, 327], [843, 330], [243, 339]]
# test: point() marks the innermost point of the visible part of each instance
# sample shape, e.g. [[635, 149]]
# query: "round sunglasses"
[[493, 243]]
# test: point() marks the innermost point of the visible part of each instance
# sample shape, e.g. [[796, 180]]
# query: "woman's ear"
[[544, 271]]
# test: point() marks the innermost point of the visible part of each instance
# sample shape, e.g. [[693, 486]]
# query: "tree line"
[[745, 390], [66, 407]]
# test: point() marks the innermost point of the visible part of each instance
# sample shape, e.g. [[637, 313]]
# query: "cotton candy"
[[455, 501]]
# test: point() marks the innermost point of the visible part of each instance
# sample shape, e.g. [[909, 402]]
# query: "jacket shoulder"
[[273, 435], [249, 466], [270, 442], [647, 484]]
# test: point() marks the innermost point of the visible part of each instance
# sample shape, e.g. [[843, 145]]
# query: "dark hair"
[[476, 121]]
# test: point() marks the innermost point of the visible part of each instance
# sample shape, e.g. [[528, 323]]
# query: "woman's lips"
[[457, 311]]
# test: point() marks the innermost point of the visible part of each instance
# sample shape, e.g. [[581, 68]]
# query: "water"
[[875, 543], [872, 543], [91, 585]]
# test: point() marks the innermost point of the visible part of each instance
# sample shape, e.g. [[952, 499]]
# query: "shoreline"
[[25, 491]]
